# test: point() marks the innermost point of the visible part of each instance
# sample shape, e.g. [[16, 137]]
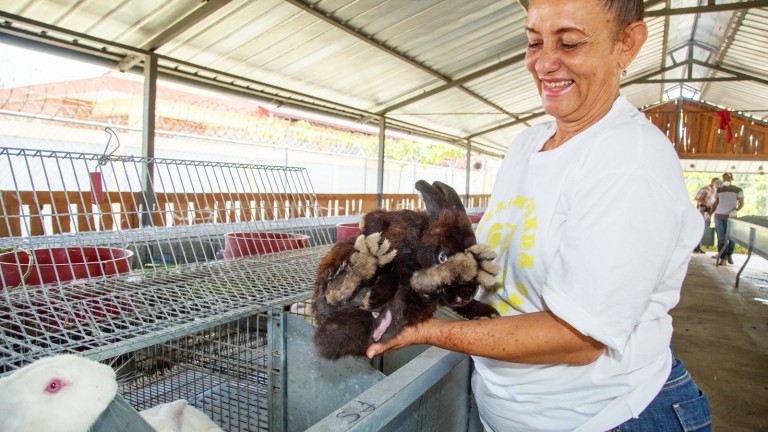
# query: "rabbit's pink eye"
[[442, 257], [54, 386]]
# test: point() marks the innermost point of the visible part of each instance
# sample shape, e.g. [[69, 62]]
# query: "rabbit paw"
[[371, 253], [487, 269], [474, 264]]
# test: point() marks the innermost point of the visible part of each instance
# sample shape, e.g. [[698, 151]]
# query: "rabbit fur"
[[395, 273], [64, 393], [178, 416]]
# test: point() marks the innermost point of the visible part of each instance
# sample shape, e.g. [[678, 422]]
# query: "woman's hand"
[[409, 336]]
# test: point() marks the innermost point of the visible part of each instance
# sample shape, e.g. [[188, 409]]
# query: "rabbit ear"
[[452, 198], [434, 199]]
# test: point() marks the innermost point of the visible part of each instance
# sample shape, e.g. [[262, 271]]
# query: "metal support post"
[[380, 178], [148, 139], [469, 168]]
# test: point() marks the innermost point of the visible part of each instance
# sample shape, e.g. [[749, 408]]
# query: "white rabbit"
[[178, 416], [63, 393]]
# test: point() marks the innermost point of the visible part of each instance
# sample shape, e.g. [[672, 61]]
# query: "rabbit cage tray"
[[103, 317], [180, 216]]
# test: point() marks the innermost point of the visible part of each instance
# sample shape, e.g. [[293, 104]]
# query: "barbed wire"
[[116, 100]]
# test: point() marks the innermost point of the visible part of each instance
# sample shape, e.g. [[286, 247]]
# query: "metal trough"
[[750, 232]]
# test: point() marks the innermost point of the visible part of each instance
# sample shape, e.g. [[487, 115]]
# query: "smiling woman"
[[576, 61], [583, 343]]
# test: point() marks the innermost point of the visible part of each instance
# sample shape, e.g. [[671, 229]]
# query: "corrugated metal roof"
[[450, 67]]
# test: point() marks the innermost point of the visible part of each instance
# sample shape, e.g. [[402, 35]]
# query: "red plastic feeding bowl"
[[42, 266], [475, 217], [239, 244], [347, 230]]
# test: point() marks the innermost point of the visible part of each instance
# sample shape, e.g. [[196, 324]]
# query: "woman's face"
[[573, 55]]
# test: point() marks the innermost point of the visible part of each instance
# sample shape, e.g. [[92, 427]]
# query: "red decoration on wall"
[[725, 123]]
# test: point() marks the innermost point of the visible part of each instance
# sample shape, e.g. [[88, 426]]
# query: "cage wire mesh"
[[225, 371], [175, 272]]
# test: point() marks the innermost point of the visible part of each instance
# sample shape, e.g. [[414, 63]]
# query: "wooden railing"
[[703, 137], [60, 212]]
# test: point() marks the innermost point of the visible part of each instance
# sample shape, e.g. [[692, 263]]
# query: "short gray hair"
[[625, 12]]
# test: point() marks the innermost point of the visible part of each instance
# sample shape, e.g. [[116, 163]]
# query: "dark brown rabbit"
[[394, 274]]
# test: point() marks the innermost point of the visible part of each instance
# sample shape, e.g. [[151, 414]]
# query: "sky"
[[21, 67]]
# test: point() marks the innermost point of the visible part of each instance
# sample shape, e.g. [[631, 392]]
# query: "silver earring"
[[624, 72]]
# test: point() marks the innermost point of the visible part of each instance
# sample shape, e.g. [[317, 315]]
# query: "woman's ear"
[[633, 38]]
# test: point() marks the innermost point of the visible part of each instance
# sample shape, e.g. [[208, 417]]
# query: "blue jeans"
[[679, 406], [721, 226]]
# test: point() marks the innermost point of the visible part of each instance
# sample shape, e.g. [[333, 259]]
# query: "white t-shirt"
[[727, 201], [599, 231]]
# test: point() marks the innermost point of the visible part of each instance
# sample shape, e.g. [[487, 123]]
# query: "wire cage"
[[177, 273], [226, 371]]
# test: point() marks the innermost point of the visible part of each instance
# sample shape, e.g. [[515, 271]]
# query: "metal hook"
[[111, 132]]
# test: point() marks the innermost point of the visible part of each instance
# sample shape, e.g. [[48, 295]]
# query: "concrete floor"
[[721, 333]]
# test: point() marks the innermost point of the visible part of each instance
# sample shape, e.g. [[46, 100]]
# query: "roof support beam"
[[685, 80], [315, 12], [457, 82], [736, 20], [62, 38], [651, 3], [647, 5], [508, 124], [690, 48], [740, 75], [654, 73], [329, 19], [706, 9], [207, 8]]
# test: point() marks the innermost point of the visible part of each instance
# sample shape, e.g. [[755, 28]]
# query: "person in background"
[[705, 198], [729, 199], [584, 340]]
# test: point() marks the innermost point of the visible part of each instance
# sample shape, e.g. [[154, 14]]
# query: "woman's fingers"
[[408, 336]]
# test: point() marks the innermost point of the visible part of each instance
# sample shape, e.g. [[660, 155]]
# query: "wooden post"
[[11, 214]]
